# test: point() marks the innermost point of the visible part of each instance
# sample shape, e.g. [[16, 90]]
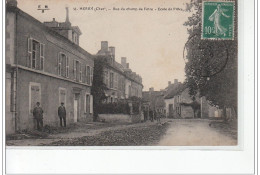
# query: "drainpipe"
[[16, 85]]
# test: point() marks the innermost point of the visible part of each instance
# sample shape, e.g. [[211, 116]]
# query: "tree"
[[211, 67], [98, 87]]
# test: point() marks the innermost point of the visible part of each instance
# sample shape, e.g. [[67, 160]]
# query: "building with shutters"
[[44, 63], [120, 80]]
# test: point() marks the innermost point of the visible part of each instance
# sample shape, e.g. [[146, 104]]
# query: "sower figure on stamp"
[[62, 114], [38, 115]]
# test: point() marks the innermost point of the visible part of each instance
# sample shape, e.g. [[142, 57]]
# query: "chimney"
[[175, 81], [11, 3], [151, 89], [112, 51], [127, 65], [53, 19], [67, 15], [123, 61], [169, 83], [104, 46]]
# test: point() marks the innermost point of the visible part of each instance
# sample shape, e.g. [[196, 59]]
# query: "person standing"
[[38, 115], [62, 114]]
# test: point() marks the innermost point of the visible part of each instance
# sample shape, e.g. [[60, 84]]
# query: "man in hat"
[[62, 114], [38, 115]]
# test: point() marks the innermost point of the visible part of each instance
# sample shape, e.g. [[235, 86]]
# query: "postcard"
[[121, 73]]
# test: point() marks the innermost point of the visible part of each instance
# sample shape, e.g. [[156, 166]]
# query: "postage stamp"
[[218, 20]]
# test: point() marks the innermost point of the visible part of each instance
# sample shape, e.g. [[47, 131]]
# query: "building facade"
[[120, 80], [44, 63]]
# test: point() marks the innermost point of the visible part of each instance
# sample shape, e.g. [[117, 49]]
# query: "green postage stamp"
[[218, 20]]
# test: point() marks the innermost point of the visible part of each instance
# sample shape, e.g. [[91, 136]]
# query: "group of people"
[[152, 115], [38, 115]]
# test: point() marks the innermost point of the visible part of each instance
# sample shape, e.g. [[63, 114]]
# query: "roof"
[[119, 66], [48, 29], [76, 29], [174, 90], [156, 98]]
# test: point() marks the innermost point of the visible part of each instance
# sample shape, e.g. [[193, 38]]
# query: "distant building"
[[153, 101], [179, 103], [44, 63], [121, 82]]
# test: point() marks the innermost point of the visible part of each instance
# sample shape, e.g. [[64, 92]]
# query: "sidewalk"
[[77, 130]]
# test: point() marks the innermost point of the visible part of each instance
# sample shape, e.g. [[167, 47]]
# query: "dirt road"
[[177, 132], [195, 132]]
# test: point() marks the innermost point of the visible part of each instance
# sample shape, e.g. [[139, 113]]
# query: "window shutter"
[[91, 104], [80, 72], [85, 104], [59, 64], [115, 80], [41, 56], [86, 73], [67, 66], [91, 75], [29, 49], [74, 69]]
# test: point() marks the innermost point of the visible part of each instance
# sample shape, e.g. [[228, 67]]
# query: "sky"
[[152, 41]]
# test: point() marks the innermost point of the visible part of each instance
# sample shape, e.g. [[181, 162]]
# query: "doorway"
[[76, 107]]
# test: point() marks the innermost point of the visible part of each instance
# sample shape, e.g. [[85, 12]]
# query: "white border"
[[158, 161]]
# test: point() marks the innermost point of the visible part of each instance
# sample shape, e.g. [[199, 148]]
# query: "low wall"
[[112, 118], [120, 118]]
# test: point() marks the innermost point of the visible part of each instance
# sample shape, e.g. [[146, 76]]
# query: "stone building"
[[153, 101], [121, 81], [44, 63], [178, 103]]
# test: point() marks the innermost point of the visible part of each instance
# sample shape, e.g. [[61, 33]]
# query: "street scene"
[[80, 74], [168, 133]]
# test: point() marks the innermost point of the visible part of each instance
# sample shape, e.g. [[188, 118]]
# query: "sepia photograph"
[[121, 73]]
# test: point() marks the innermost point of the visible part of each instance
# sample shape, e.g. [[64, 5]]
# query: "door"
[[75, 110], [170, 110]]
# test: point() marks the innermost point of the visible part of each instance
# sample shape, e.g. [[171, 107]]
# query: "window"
[[88, 79], [87, 103], [106, 77], [35, 54], [116, 80], [77, 70], [63, 65], [111, 80]]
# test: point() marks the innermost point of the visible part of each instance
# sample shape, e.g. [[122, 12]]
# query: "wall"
[[10, 38], [53, 46], [9, 115], [167, 102], [187, 112], [49, 99], [9, 60], [115, 118]]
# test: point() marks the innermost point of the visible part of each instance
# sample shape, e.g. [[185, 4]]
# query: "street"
[[171, 132], [195, 132]]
